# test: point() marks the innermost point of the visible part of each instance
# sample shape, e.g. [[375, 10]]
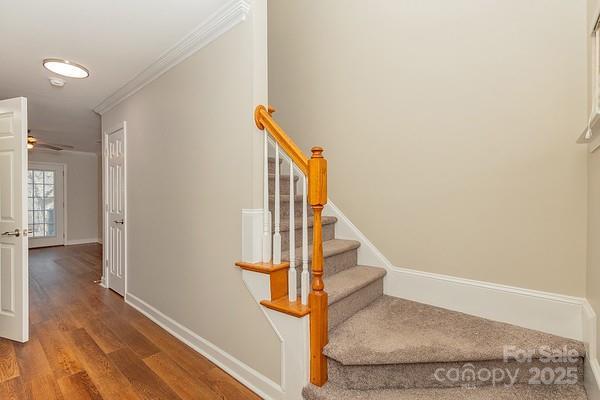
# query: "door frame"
[[105, 275], [64, 196]]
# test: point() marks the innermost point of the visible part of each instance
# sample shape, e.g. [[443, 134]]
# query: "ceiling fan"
[[33, 142]]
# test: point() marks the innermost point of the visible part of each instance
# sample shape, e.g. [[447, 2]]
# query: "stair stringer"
[[293, 333], [552, 313]]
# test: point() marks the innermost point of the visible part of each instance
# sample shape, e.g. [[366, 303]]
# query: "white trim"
[[252, 244], [81, 241], [249, 377], [596, 20], [592, 368], [344, 229], [547, 312], [591, 379], [214, 26]]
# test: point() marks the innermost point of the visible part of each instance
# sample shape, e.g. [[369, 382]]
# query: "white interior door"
[[14, 278], [45, 198], [115, 217]]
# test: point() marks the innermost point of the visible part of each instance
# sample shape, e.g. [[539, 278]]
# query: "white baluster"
[[266, 245], [277, 234], [304, 281], [292, 278]]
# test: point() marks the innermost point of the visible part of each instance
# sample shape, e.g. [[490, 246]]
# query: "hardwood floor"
[[86, 343]]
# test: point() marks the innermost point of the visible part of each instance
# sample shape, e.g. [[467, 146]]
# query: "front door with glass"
[[45, 183]]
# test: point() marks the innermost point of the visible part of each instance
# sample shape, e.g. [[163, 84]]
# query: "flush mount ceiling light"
[[66, 68]]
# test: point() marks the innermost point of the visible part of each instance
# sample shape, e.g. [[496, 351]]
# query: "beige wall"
[[82, 191], [593, 265], [449, 128], [189, 160]]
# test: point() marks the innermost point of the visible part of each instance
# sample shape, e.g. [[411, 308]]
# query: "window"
[[41, 189]]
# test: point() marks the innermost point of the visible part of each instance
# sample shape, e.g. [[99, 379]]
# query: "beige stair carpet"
[[386, 348], [520, 392]]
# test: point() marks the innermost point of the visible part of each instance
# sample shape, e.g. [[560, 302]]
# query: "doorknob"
[[119, 221], [16, 233]]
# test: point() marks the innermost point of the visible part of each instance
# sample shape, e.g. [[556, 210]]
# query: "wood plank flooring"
[[86, 343]]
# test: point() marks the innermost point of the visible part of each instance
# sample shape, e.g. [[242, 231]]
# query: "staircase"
[[382, 347], [378, 347]]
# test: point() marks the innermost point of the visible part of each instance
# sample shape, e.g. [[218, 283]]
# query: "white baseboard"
[[591, 379], [82, 241], [592, 368], [547, 312], [251, 378]]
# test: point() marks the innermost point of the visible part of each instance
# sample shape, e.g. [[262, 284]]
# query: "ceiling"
[[115, 40]]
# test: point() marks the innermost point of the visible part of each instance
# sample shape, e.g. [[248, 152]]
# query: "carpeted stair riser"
[[338, 255], [272, 165], [348, 306], [328, 232], [284, 206], [333, 264], [518, 392], [339, 262], [423, 375], [284, 184]]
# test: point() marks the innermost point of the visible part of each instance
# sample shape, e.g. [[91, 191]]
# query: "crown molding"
[[214, 26]]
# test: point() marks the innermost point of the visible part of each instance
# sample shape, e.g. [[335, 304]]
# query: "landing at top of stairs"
[[396, 331], [519, 392]]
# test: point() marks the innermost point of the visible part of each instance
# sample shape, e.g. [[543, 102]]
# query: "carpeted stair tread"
[[330, 248], [285, 222], [517, 392], [345, 283], [394, 331]]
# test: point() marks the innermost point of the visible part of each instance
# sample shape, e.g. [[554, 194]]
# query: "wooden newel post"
[[317, 299]]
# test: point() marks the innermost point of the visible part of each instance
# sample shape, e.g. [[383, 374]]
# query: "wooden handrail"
[[315, 170], [264, 120]]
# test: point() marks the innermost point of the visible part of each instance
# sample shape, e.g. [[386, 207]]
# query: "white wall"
[[82, 192], [449, 127], [189, 170]]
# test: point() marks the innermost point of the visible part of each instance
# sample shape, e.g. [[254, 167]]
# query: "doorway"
[[46, 204]]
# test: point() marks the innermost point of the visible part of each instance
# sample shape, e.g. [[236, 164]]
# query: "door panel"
[[7, 279], [14, 294], [115, 210]]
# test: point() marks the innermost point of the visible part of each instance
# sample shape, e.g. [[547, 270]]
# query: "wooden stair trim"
[[263, 120], [279, 283], [263, 268], [284, 305], [278, 276]]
